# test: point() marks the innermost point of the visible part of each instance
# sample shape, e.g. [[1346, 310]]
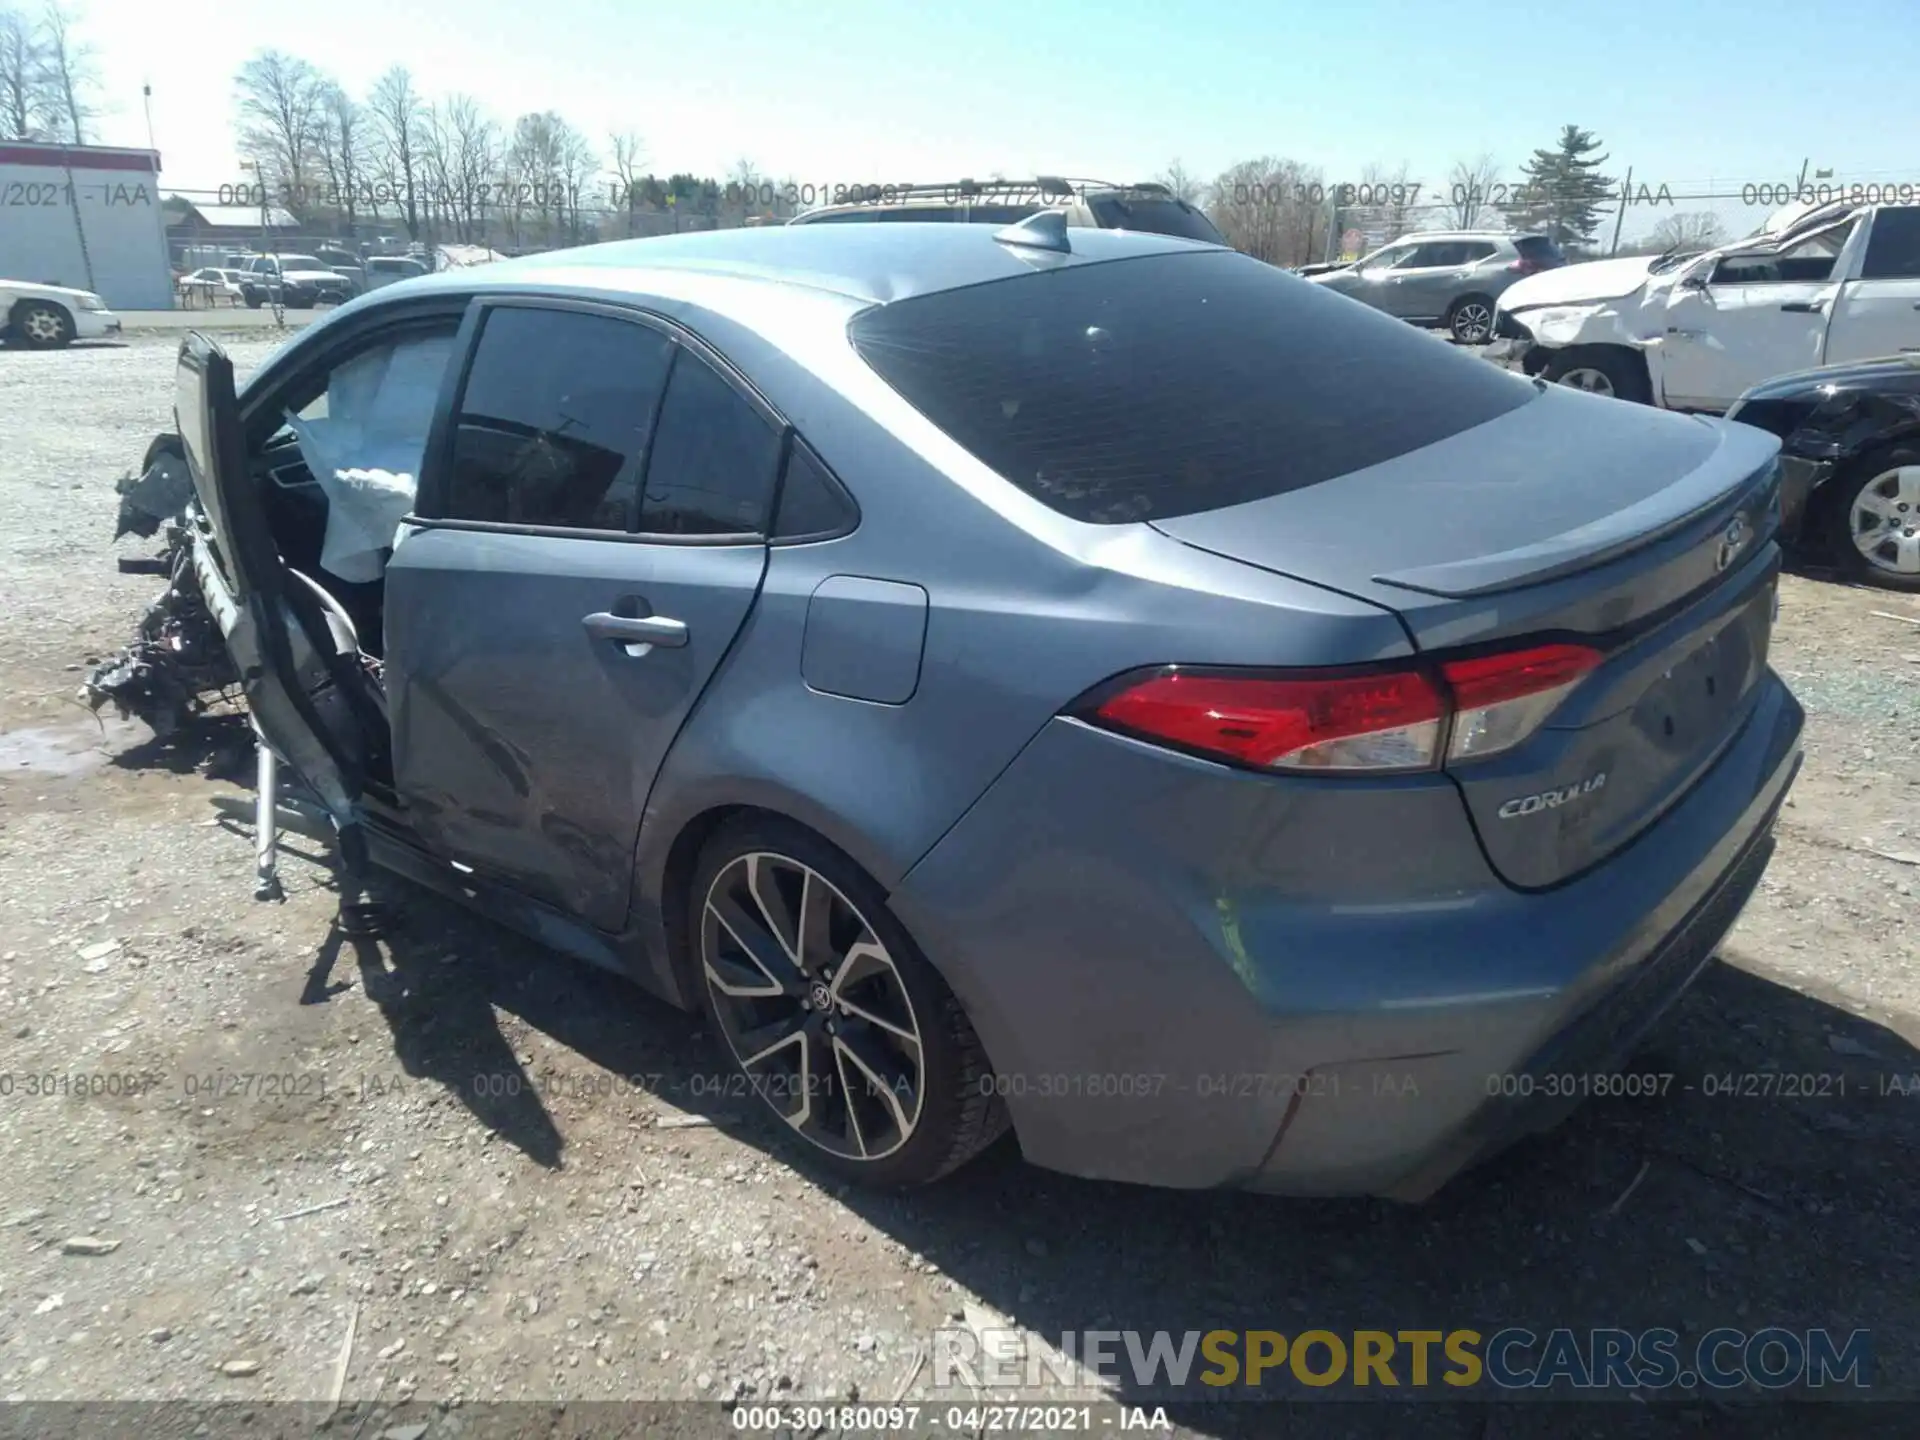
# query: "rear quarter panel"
[[1025, 611]]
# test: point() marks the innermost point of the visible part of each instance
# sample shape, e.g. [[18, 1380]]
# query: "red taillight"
[[1382, 720], [1522, 267], [1375, 720]]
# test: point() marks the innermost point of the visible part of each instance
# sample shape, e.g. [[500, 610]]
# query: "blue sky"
[[1706, 96]]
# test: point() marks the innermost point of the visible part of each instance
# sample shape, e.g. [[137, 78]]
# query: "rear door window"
[[714, 458], [1893, 249], [553, 421], [1169, 384]]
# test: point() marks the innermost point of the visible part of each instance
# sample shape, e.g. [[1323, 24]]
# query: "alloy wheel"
[[1472, 323], [1885, 521], [1584, 377], [813, 1006], [42, 326]]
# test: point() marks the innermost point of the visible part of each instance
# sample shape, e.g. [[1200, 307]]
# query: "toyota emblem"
[[1732, 541]]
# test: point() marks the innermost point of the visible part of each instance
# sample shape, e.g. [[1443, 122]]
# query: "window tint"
[[1174, 383], [1154, 214], [1540, 249], [1437, 253], [811, 504], [1477, 250], [714, 459], [1809, 261], [553, 419], [1386, 259], [1893, 249]]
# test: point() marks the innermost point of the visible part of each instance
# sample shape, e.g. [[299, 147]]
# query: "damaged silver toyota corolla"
[[969, 666]]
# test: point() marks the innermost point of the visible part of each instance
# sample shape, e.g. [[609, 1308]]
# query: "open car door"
[[298, 663]]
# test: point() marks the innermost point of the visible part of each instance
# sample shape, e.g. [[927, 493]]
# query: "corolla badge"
[[1551, 799], [1732, 541]]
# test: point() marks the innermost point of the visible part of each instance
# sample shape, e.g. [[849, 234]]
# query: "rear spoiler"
[[1722, 483]]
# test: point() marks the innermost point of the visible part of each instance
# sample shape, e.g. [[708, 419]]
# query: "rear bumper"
[[1187, 976]]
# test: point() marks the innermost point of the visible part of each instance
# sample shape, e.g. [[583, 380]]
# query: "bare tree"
[[71, 79], [476, 161], [577, 165], [280, 99], [397, 111], [343, 151], [1273, 209], [628, 156], [1183, 183], [26, 106], [1470, 192], [1688, 230], [434, 154]]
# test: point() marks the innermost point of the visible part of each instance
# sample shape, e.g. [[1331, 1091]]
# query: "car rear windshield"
[[1540, 249], [1163, 385], [1158, 215]]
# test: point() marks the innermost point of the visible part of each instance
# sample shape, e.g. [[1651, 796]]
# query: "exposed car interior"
[[339, 468]]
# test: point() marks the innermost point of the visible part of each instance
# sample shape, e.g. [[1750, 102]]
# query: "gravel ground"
[[515, 1178]]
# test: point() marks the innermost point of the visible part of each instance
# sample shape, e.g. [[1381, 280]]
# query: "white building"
[[87, 216]]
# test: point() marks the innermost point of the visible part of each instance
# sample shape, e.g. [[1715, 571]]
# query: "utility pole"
[[146, 99], [1620, 217]]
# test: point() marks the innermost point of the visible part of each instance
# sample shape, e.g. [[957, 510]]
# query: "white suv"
[[1819, 285]]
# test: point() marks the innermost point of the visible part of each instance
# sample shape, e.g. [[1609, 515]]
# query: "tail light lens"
[[1374, 720], [1522, 267]]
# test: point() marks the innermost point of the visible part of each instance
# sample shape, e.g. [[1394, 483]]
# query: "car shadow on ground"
[[1770, 1184], [1766, 1181]]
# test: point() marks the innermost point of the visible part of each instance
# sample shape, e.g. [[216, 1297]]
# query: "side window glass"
[[812, 506], [1893, 249], [553, 422], [713, 459]]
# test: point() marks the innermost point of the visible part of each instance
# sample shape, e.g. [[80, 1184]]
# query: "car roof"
[[870, 263], [1422, 236]]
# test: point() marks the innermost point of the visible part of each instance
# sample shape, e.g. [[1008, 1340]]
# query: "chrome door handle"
[[637, 630]]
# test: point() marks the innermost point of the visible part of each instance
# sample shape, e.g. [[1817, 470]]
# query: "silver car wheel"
[[1472, 323], [42, 327], [812, 1006], [1584, 377], [1885, 522]]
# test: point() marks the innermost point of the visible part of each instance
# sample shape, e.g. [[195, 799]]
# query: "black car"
[[1850, 460]]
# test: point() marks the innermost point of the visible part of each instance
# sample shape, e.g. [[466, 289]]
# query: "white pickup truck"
[[1819, 285]]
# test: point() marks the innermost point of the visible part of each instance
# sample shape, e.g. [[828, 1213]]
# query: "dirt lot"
[[517, 1206]]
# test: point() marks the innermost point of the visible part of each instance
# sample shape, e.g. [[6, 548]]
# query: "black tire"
[[1836, 501], [1625, 372], [255, 299], [39, 325], [1470, 320], [958, 1115]]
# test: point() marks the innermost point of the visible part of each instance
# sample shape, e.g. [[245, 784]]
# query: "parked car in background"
[[1850, 461], [1450, 279], [46, 317], [386, 269], [1091, 204], [297, 281], [210, 284], [944, 689], [1818, 285]]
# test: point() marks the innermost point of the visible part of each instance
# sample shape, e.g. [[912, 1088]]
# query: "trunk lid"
[[1646, 535]]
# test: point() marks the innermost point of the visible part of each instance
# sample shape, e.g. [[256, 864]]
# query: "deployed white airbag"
[[365, 452]]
